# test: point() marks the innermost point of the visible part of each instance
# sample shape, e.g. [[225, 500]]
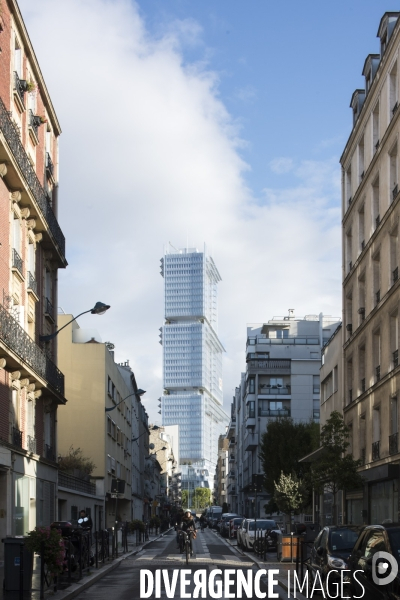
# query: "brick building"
[[32, 248]]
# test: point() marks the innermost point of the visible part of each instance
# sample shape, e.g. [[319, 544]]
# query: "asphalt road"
[[212, 556]]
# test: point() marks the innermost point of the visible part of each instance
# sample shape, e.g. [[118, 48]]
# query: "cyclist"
[[203, 521], [188, 525], [88, 524]]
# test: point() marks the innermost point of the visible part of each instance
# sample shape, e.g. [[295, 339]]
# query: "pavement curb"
[[281, 582], [76, 588]]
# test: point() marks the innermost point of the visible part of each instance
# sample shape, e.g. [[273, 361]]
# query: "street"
[[210, 552]]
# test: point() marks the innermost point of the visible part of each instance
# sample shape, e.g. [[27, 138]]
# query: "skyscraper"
[[192, 358]]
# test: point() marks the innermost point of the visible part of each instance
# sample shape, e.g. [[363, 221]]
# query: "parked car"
[[372, 539], [330, 552], [234, 524], [223, 525], [214, 516], [246, 532]]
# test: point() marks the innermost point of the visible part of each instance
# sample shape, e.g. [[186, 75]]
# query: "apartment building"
[[283, 358], [221, 472], [162, 439], [32, 249], [103, 402], [371, 209]]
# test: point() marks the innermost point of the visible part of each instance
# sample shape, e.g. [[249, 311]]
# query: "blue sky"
[[218, 122]]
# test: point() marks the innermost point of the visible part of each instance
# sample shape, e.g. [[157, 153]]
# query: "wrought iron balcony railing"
[[31, 444], [49, 165], [49, 452], [17, 262], [48, 308], [20, 86], [17, 437], [13, 140], [376, 454], [34, 122], [393, 443], [19, 342], [32, 283]]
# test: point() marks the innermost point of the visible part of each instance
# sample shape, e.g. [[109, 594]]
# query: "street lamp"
[[160, 450], [98, 309], [139, 392], [154, 428]]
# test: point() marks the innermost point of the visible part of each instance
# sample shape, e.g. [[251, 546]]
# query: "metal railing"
[[31, 444], [13, 140], [32, 283], [19, 342], [270, 412], [270, 363], [49, 165], [17, 262], [16, 437], [75, 483], [20, 87], [393, 443], [49, 452], [376, 450], [274, 391], [34, 122], [48, 308]]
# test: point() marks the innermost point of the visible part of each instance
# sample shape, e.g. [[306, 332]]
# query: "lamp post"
[[138, 392], [99, 309]]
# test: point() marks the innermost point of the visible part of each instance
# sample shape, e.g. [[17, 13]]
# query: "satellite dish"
[[151, 446]]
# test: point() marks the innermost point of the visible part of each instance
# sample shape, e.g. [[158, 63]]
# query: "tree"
[[283, 444], [201, 497], [288, 494], [75, 463], [335, 469], [185, 498]]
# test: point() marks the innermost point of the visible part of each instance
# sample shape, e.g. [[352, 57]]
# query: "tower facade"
[[192, 362]]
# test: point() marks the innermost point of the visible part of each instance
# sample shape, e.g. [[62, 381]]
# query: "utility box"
[[15, 552]]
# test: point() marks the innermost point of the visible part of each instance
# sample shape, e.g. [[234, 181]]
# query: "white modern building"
[[192, 361]]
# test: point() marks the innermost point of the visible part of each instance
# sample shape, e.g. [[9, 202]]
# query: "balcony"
[[251, 441], [31, 444], [267, 366], [28, 172], [14, 339], [34, 123], [393, 443], [75, 483], [20, 87], [48, 310], [251, 421], [49, 166], [17, 263], [49, 453], [32, 284], [279, 412], [376, 451], [268, 390], [16, 437]]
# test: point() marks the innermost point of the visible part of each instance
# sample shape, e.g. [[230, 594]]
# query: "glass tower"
[[192, 361]]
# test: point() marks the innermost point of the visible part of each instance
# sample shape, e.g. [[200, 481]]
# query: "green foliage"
[[185, 498], [54, 550], [75, 461], [283, 444], [136, 524], [155, 522], [288, 494], [335, 470], [201, 497]]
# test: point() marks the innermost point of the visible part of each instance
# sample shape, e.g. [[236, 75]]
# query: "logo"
[[384, 568]]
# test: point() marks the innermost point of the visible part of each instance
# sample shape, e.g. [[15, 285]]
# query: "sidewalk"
[[272, 563], [75, 588]]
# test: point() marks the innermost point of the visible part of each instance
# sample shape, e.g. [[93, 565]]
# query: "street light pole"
[[138, 392], [99, 309]]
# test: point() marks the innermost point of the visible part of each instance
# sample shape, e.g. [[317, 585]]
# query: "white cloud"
[[281, 165], [149, 154]]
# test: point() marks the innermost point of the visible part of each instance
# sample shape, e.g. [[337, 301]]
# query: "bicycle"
[[185, 544]]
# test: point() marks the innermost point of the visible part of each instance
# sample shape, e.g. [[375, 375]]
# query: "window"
[[394, 419], [118, 435], [251, 385], [118, 470], [315, 384], [376, 425], [275, 405], [31, 259], [113, 430], [376, 278], [393, 91], [361, 368], [393, 180], [348, 187], [251, 410], [361, 229], [375, 129], [109, 426], [361, 160], [74, 513], [276, 382], [18, 58], [375, 204], [112, 465], [17, 234]]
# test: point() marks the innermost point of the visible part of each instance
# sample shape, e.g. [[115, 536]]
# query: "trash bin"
[[290, 544], [12, 564]]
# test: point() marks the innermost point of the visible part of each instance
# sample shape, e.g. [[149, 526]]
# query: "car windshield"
[[262, 525], [237, 521], [343, 539], [394, 538]]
